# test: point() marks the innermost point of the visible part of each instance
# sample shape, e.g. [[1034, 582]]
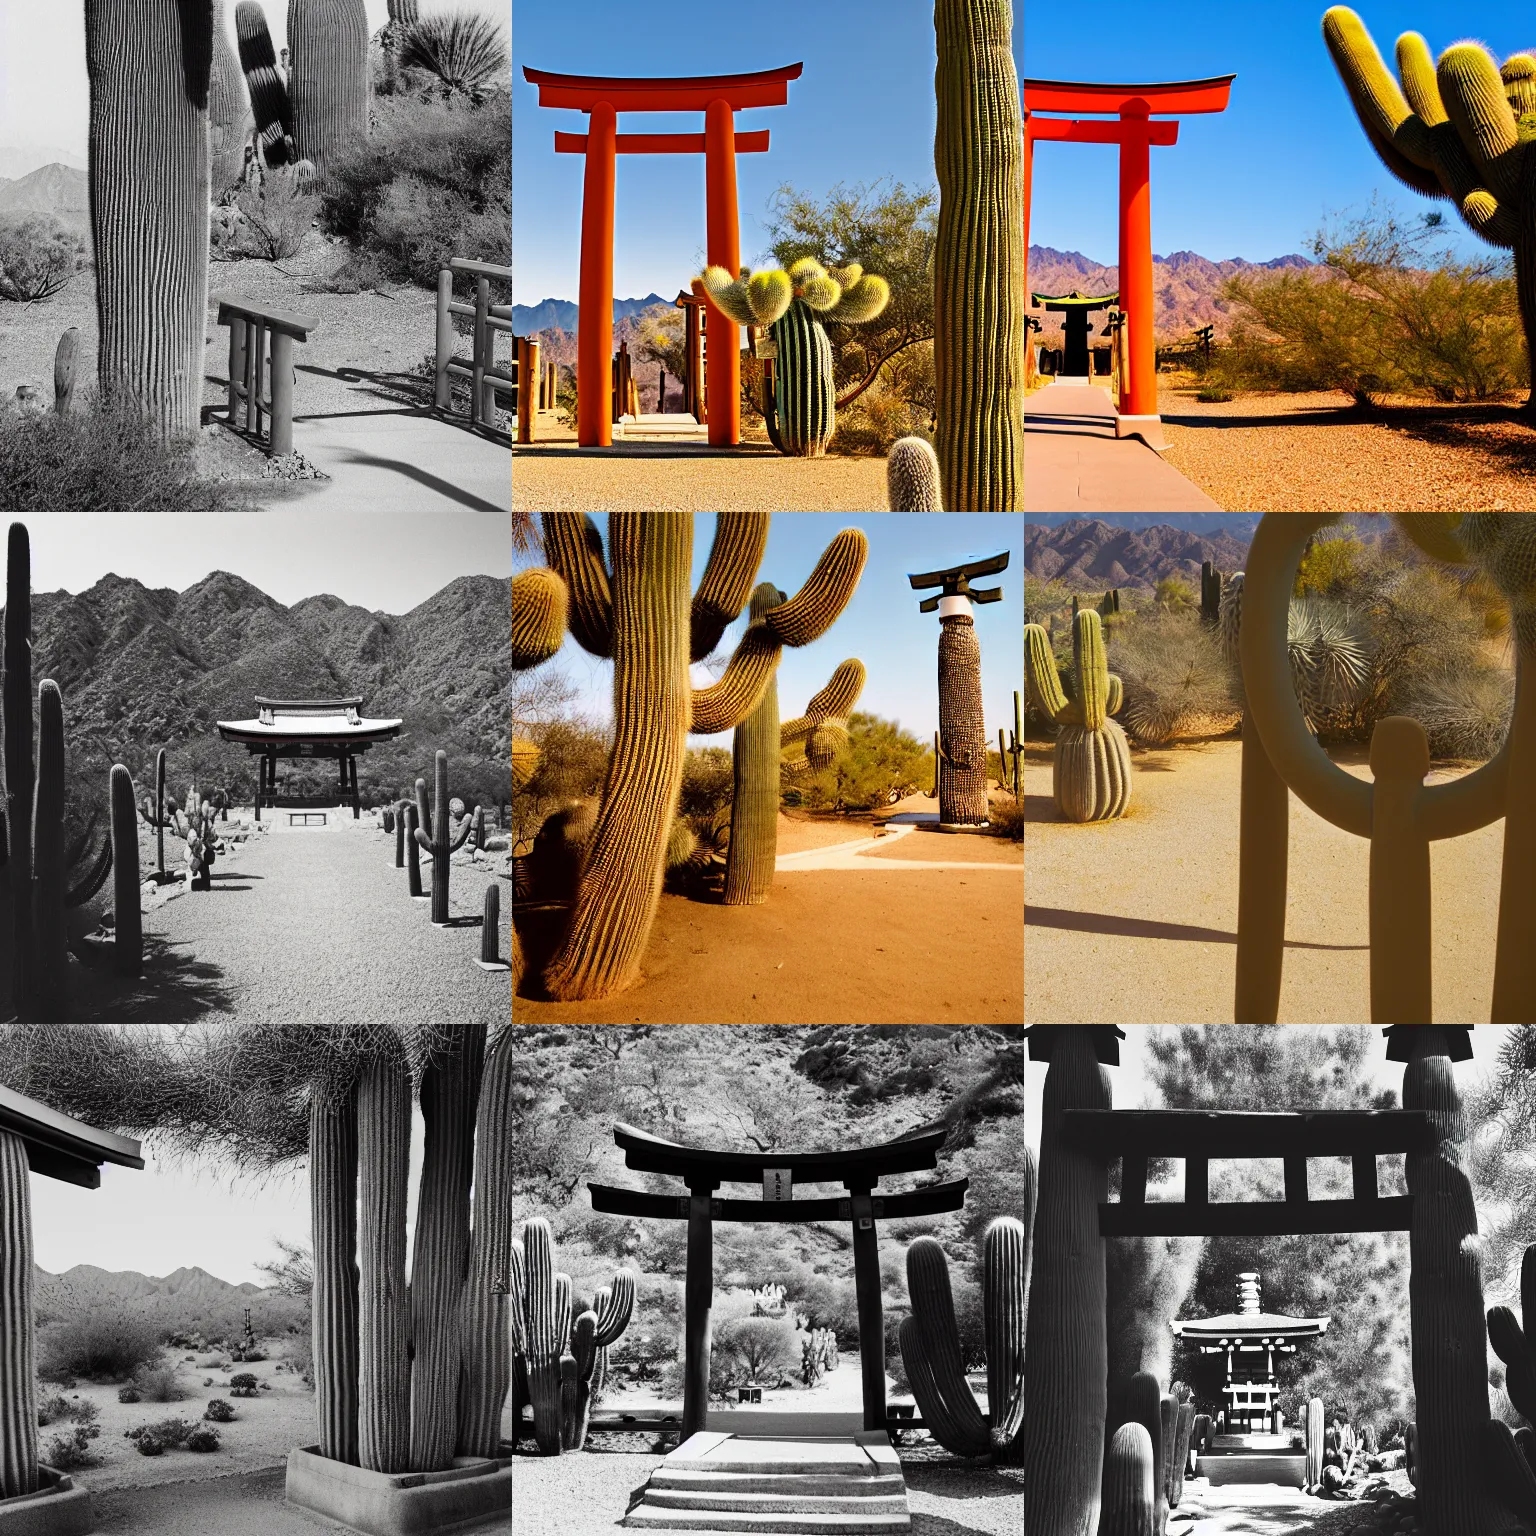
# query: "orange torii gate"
[[719, 98], [1135, 133]]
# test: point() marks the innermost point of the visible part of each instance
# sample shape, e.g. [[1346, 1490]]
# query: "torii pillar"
[[719, 98], [1135, 132]]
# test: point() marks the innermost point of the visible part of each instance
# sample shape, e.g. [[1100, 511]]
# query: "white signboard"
[[778, 1184]]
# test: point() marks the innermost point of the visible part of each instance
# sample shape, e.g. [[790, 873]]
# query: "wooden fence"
[[480, 368]]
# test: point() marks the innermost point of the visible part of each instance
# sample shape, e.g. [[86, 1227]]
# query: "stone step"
[[645, 1517], [787, 1503], [779, 1482], [727, 1461]]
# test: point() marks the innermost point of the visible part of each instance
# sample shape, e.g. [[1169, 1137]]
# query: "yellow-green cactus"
[[540, 605], [1458, 130], [912, 476], [787, 303], [1091, 773], [641, 614], [813, 740]]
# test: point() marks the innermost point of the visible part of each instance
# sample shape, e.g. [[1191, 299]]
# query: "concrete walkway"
[[851, 855], [385, 458], [1073, 462]]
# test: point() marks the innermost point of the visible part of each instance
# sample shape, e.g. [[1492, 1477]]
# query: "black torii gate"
[[705, 1170]]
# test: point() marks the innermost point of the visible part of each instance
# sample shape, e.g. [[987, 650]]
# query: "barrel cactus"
[[1091, 775], [328, 78], [1130, 1501], [979, 258], [149, 64], [912, 476], [788, 304]]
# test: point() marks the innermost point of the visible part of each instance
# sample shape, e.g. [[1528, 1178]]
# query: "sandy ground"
[[1136, 920], [1266, 1510], [660, 477], [1316, 453], [952, 848], [313, 923], [587, 1494]]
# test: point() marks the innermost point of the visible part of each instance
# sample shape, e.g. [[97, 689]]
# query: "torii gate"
[[1134, 133], [719, 98], [859, 1170]]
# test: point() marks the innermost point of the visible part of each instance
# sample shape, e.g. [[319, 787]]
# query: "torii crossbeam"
[[719, 98]]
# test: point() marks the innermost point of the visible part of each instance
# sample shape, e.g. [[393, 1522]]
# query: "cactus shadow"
[[175, 987], [1041, 808], [1147, 928]]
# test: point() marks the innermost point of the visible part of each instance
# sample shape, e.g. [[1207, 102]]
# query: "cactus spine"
[[270, 103], [18, 1381], [1130, 1508], [229, 117], [978, 268], [450, 1091], [333, 1150], [384, 1367], [962, 726], [149, 64], [1445, 1293], [912, 476], [435, 833], [642, 617], [1066, 1342], [48, 857], [328, 78], [1091, 771], [127, 920]]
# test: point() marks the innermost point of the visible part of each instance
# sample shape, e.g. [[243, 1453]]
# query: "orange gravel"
[[1316, 453]]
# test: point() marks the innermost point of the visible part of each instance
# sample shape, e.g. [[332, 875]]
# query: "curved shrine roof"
[[1249, 1325], [1209, 95], [308, 727]]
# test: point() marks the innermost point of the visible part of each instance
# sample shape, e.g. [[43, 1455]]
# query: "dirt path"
[[315, 924], [1136, 920]]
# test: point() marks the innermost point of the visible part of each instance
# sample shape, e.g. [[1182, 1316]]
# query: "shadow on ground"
[[1146, 928], [175, 988]]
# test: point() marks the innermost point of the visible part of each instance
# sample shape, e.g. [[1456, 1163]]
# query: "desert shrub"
[[1007, 816], [1042, 598], [96, 1345], [431, 182], [203, 1439], [167, 1433], [102, 457], [882, 764], [871, 423], [157, 1384], [643, 1355], [39, 257], [71, 1452], [1174, 594], [219, 1411], [760, 1348], [464, 53], [1173, 674], [129, 1394], [1464, 714], [51, 1408], [267, 219], [1330, 566], [243, 1384], [147, 1445], [708, 783], [301, 1357]]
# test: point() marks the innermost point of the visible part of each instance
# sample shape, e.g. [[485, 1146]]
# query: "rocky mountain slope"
[[57, 189], [127, 1287], [560, 314], [1086, 553], [1186, 287]]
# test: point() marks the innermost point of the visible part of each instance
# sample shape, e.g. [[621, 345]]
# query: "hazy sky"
[[881, 625], [387, 562], [44, 101], [861, 110], [1258, 179]]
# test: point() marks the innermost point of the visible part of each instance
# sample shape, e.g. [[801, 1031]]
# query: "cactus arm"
[[334, 1300], [768, 295], [1044, 678], [1475, 101], [862, 301], [947, 1422], [729, 295], [734, 556], [1005, 1285], [127, 920], [816, 607], [958, 1415], [615, 1308], [94, 878], [540, 607], [48, 856], [741, 687], [574, 549], [1090, 669], [1116, 695]]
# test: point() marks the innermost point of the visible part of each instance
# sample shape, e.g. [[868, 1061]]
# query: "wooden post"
[[282, 393], [866, 1277], [661, 390], [236, 369], [478, 390], [594, 331], [723, 247], [352, 770], [253, 343], [446, 343], [698, 1297], [527, 389]]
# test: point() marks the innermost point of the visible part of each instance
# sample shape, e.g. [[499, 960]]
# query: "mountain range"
[[1087, 553], [144, 667], [1186, 287], [127, 1287], [60, 190], [560, 314], [18, 160]]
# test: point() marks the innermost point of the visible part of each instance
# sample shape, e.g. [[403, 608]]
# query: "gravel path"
[[586, 1494], [1314, 453], [314, 924], [665, 477]]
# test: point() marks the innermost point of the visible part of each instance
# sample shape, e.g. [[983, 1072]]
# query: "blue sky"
[[881, 625], [861, 110], [1258, 179]]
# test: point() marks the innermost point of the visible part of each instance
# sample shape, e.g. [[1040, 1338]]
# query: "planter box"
[[475, 1493], [58, 1508]]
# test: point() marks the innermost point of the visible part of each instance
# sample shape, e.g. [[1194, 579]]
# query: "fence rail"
[[486, 378]]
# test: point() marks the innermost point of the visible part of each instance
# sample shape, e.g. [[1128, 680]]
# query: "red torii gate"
[[1135, 133], [719, 98]]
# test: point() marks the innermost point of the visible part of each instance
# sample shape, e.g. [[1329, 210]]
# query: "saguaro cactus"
[[64, 370], [1066, 1345], [1456, 130], [48, 879], [412, 856], [18, 1378], [334, 1299], [1314, 1442], [1516, 1346], [642, 617], [788, 303], [20, 772], [229, 115], [154, 815], [1091, 771], [1445, 1294], [328, 77], [1130, 1503], [270, 102], [127, 919], [912, 481], [149, 64], [978, 267], [435, 833]]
